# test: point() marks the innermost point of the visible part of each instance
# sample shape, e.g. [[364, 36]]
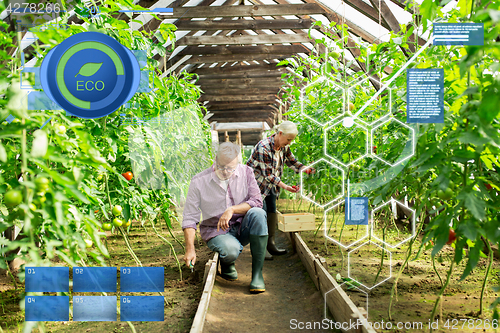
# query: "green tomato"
[[13, 198], [100, 177], [127, 223], [117, 222], [117, 210], [446, 194], [88, 243], [42, 184], [60, 129], [107, 226], [334, 54], [32, 206]]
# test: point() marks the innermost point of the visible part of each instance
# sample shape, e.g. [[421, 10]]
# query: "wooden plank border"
[[209, 280], [340, 305]]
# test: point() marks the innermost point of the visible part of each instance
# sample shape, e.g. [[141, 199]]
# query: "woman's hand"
[[293, 189]]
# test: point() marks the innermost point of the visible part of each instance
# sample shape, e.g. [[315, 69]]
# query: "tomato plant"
[[454, 164], [61, 176]]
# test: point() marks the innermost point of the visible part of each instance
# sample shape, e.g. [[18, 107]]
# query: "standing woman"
[[268, 160]]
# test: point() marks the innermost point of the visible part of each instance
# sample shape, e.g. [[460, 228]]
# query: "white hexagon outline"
[[363, 319], [325, 233], [395, 76], [302, 187], [412, 140], [349, 266], [389, 112], [325, 140], [321, 79], [413, 232]]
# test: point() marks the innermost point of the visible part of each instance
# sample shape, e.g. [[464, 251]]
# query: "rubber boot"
[[258, 250], [272, 220], [228, 272], [268, 255]]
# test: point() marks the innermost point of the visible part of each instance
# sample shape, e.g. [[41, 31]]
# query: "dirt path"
[[290, 294]]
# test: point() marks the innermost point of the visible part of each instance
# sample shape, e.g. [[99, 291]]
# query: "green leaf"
[[89, 69], [475, 205], [469, 229], [473, 259], [3, 153]]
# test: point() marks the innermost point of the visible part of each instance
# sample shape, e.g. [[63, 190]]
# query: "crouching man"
[[229, 200]]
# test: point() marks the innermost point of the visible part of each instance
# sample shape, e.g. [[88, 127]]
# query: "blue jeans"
[[231, 244]]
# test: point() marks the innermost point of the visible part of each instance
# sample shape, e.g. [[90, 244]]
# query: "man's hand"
[[190, 256], [224, 219], [293, 189]]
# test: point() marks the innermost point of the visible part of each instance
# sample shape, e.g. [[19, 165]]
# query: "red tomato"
[[308, 171], [128, 175], [451, 237], [489, 187], [374, 149]]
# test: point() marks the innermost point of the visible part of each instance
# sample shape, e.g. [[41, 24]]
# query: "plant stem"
[[408, 254], [382, 258], [441, 292], [171, 247], [435, 270], [11, 276], [129, 248], [485, 281]]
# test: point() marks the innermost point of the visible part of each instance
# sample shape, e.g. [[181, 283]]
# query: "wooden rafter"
[[237, 69], [230, 40], [209, 59], [245, 24], [246, 49], [243, 11]]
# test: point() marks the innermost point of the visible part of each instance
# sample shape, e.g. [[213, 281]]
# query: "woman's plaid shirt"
[[265, 165]]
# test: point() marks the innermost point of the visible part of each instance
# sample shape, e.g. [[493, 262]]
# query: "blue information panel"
[[94, 279], [46, 308], [425, 95], [142, 279], [458, 33], [47, 279], [94, 308], [356, 211], [141, 308]]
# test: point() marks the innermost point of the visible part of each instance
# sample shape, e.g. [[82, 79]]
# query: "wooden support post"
[[340, 305], [226, 137], [199, 318]]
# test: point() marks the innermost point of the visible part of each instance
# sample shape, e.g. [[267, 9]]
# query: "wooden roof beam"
[[238, 98], [242, 49], [238, 40], [245, 24], [210, 59], [243, 11]]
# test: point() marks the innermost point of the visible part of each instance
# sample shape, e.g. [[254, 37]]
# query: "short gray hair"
[[230, 151], [287, 127]]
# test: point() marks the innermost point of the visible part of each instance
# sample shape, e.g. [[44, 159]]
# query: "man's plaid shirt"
[[265, 165]]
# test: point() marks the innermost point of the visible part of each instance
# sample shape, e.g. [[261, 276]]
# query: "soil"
[[182, 296], [418, 285], [290, 295]]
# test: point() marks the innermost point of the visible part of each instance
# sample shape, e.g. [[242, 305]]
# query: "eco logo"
[[90, 75]]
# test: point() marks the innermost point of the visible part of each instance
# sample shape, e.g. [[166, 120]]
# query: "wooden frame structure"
[[234, 47]]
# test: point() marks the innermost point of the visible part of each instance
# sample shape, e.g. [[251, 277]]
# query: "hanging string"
[[379, 24], [343, 45]]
